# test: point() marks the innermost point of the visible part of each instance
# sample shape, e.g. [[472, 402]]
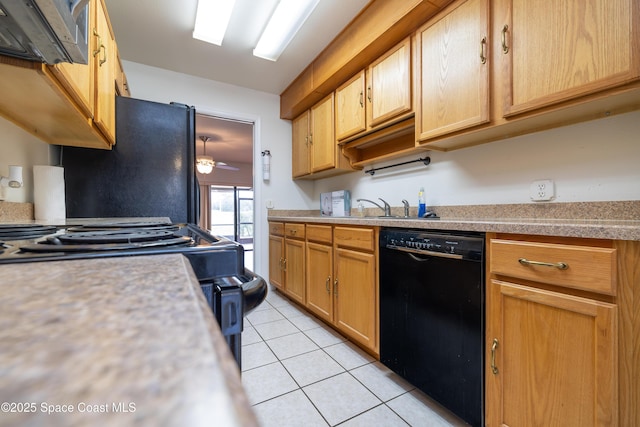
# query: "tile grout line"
[[345, 370]]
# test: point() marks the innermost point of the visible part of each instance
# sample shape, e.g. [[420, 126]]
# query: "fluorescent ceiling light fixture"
[[212, 18], [283, 26]]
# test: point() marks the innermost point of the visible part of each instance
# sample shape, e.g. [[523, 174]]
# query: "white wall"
[[592, 161], [17, 147]]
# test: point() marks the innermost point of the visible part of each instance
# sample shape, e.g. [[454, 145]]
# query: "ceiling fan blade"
[[226, 166]]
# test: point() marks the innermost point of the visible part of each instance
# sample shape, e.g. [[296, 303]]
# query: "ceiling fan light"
[[283, 25], [212, 19], [205, 164]]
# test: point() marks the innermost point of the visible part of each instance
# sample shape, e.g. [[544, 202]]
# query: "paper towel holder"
[[14, 180]]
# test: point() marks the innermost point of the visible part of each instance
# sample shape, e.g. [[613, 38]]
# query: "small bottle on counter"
[[422, 205]]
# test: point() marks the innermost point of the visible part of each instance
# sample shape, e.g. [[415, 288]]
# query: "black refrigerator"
[[150, 172]]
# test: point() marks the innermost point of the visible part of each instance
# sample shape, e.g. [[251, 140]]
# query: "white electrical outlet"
[[542, 190]]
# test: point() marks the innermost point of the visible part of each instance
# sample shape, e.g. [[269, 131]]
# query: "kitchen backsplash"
[[624, 210], [10, 211], [615, 210]]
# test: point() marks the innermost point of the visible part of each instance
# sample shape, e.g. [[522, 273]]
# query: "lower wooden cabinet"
[[294, 269], [554, 358], [320, 280], [355, 291], [551, 350], [340, 283], [287, 259]]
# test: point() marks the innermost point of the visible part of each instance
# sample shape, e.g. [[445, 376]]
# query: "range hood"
[[49, 31]]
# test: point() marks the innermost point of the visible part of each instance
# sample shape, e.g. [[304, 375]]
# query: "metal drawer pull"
[[558, 265], [483, 57], [494, 346], [326, 284]]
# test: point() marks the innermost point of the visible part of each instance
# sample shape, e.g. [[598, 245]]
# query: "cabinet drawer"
[[319, 233], [580, 267], [359, 238], [276, 228], [294, 230]]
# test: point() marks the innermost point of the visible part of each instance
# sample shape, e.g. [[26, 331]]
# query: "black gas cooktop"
[[231, 290], [34, 242]]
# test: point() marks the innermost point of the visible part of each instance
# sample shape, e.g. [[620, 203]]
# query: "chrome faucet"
[[386, 209], [406, 208]]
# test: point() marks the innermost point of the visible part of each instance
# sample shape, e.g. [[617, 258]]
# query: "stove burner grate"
[[112, 236], [24, 231], [125, 226], [115, 239]]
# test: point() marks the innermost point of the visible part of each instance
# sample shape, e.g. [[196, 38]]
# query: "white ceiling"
[[158, 33]]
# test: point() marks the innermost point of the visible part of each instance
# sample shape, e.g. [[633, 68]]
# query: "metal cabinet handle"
[[505, 47], [483, 57], [558, 265], [327, 284], [284, 264], [494, 346], [281, 263], [101, 47], [369, 93], [311, 138], [96, 51], [335, 287], [293, 231], [361, 99]]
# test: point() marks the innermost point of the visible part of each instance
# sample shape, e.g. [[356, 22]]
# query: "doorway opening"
[[232, 217], [226, 190]]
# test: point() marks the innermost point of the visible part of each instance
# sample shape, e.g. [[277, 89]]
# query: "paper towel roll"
[[48, 193]]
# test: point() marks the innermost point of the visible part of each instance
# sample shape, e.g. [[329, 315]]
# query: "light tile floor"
[[297, 371]]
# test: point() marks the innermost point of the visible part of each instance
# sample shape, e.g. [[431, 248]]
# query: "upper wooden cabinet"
[[66, 104], [453, 83], [105, 66], [315, 151], [122, 85], [561, 50], [301, 154], [322, 136], [376, 96], [534, 67]]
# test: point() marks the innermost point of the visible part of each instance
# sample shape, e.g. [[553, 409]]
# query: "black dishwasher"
[[432, 299]]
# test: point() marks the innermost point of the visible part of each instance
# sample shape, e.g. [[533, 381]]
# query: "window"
[[232, 217]]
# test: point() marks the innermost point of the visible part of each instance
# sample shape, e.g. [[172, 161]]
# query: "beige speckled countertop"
[[109, 334], [602, 220]]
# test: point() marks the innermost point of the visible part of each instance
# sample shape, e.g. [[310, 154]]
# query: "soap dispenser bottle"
[[422, 205]]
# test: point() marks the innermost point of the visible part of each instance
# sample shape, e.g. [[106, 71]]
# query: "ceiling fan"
[[205, 164]]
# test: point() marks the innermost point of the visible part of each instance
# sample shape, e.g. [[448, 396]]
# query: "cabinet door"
[[558, 50], [77, 79], [300, 148], [320, 280], [323, 143], [294, 268], [105, 75], [350, 107], [555, 358], [355, 296], [453, 86], [276, 261], [389, 85]]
